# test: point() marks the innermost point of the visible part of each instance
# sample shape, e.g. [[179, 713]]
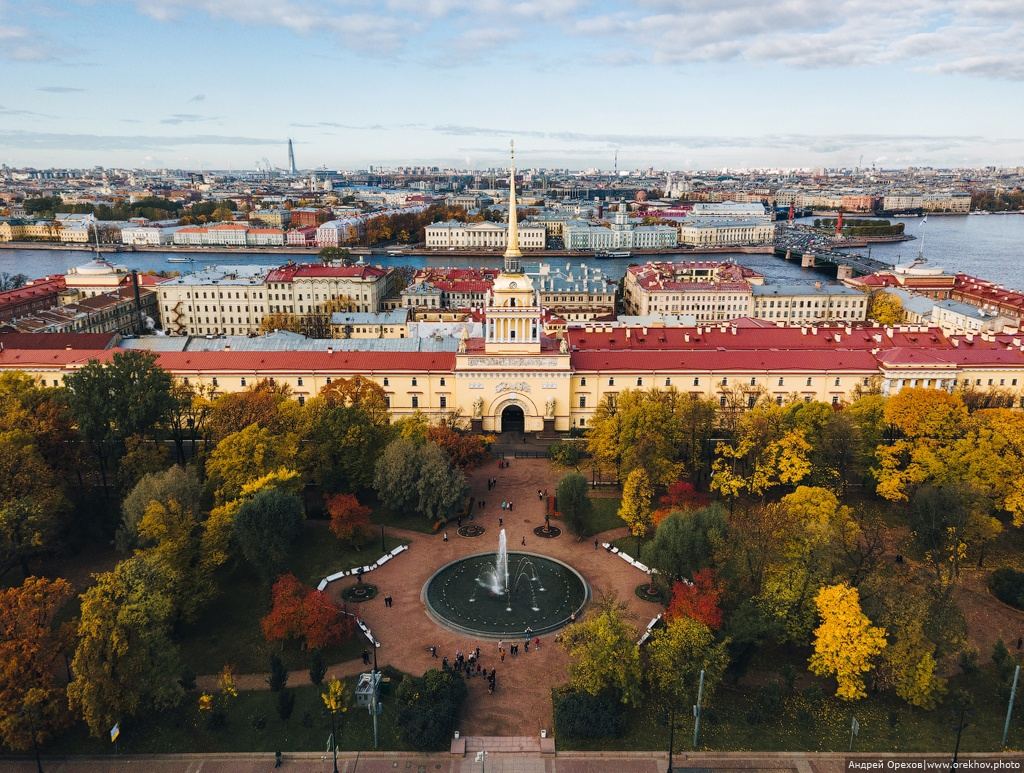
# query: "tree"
[[845, 643], [685, 544], [396, 475], [350, 521], [188, 416], [265, 527], [635, 508], [565, 454], [603, 655], [278, 678], [125, 662], [10, 281], [681, 496], [30, 644], [465, 450], [246, 455], [298, 612], [265, 404], [429, 707], [284, 620], [317, 668], [329, 255], [343, 446], [697, 600], [639, 429], [885, 309], [678, 653], [32, 503], [177, 483], [283, 321], [128, 396], [572, 499], [443, 489]]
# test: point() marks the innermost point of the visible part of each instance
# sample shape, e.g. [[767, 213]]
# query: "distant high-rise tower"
[[291, 158]]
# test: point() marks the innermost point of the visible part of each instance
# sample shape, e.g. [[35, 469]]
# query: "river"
[[986, 246]]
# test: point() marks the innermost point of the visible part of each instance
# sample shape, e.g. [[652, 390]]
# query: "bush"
[[428, 708], [581, 715], [258, 720], [317, 668], [278, 674], [285, 704], [1007, 585]]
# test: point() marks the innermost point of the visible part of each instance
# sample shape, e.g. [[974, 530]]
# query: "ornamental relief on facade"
[[506, 386], [512, 362]]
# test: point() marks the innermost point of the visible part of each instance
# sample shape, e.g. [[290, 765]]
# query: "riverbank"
[[119, 249]]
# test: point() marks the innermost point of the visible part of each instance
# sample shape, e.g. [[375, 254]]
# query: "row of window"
[[753, 381]]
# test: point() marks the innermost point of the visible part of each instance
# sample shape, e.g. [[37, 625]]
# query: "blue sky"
[[676, 84]]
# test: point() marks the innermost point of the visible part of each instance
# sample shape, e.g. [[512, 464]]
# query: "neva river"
[[986, 246]]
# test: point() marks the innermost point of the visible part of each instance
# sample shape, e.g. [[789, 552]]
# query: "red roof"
[[287, 273], [78, 342], [34, 289], [725, 360]]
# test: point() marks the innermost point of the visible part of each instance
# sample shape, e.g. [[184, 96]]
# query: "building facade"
[[720, 233]]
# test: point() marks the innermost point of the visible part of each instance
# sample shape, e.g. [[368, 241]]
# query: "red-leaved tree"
[[464, 450], [698, 601], [350, 521], [681, 495], [300, 612]]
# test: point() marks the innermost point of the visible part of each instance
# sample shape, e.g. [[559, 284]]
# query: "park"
[[811, 579]]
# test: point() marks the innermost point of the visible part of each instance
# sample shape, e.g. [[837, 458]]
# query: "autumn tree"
[[44, 416], [572, 498], [189, 413], [125, 662], [31, 642], [178, 483], [300, 612], [350, 521], [32, 503], [678, 653], [464, 449], [638, 429], [265, 527], [845, 644], [343, 446], [635, 508], [698, 600], [603, 654], [243, 456], [885, 309], [681, 496], [264, 404]]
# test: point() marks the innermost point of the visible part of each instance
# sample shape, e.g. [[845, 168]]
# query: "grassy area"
[[411, 521], [228, 631], [184, 729], [605, 515], [886, 725]]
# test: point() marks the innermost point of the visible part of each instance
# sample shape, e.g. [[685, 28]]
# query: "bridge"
[[815, 251]]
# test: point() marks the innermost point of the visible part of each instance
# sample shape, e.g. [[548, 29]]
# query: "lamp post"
[[382, 548], [35, 742]]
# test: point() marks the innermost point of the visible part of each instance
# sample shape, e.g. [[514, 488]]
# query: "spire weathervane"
[[513, 255]]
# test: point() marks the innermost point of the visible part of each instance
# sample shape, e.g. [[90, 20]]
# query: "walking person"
[[501, 522], [433, 654], [366, 658], [446, 536], [524, 542], [595, 544]]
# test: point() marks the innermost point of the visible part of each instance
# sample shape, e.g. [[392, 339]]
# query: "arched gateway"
[[513, 419]]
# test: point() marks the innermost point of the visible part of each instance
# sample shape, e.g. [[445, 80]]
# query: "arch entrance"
[[513, 419]]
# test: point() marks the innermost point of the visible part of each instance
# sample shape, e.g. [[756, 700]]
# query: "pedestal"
[[476, 426], [548, 433]]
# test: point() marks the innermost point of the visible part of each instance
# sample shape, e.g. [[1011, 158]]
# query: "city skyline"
[[671, 85]]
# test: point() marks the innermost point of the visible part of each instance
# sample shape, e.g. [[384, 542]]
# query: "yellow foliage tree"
[[603, 655], [635, 508], [845, 643], [246, 456], [885, 309], [678, 652]]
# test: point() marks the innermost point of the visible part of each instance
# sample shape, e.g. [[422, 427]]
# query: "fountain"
[[481, 596]]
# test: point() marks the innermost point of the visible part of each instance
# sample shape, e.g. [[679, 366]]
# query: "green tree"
[[126, 662], [265, 527], [565, 454], [343, 447], [603, 655], [397, 474], [442, 487], [686, 543], [329, 255], [428, 707], [573, 501], [130, 395]]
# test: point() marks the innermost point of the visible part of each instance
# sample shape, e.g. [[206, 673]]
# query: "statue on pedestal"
[[563, 347], [549, 408], [478, 408]]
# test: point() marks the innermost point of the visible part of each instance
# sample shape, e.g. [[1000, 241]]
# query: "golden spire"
[[512, 253]]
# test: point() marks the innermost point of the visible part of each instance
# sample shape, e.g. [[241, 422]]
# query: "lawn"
[[410, 520], [184, 729], [605, 516], [886, 725], [228, 630]]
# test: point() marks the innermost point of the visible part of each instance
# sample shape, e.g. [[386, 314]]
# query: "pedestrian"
[[510, 505], [366, 657], [501, 644], [433, 652], [526, 647], [1020, 642], [446, 536], [501, 522], [444, 663], [504, 505], [595, 544], [539, 495], [536, 643], [459, 522], [277, 759], [502, 656], [524, 542], [477, 653]]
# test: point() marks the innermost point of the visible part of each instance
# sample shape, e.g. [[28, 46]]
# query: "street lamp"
[[35, 742]]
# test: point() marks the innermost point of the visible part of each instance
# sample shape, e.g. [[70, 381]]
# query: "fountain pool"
[[500, 595]]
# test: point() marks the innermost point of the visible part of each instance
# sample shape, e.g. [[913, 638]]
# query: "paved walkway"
[[521, 705]]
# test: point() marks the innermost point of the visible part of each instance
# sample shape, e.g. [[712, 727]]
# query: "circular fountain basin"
[[545, 595]]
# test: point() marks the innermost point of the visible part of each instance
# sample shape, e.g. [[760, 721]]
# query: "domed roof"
[[99, 267], [641, 196]]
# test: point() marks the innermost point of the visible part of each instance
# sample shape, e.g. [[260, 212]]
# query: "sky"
[[669, 84]]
